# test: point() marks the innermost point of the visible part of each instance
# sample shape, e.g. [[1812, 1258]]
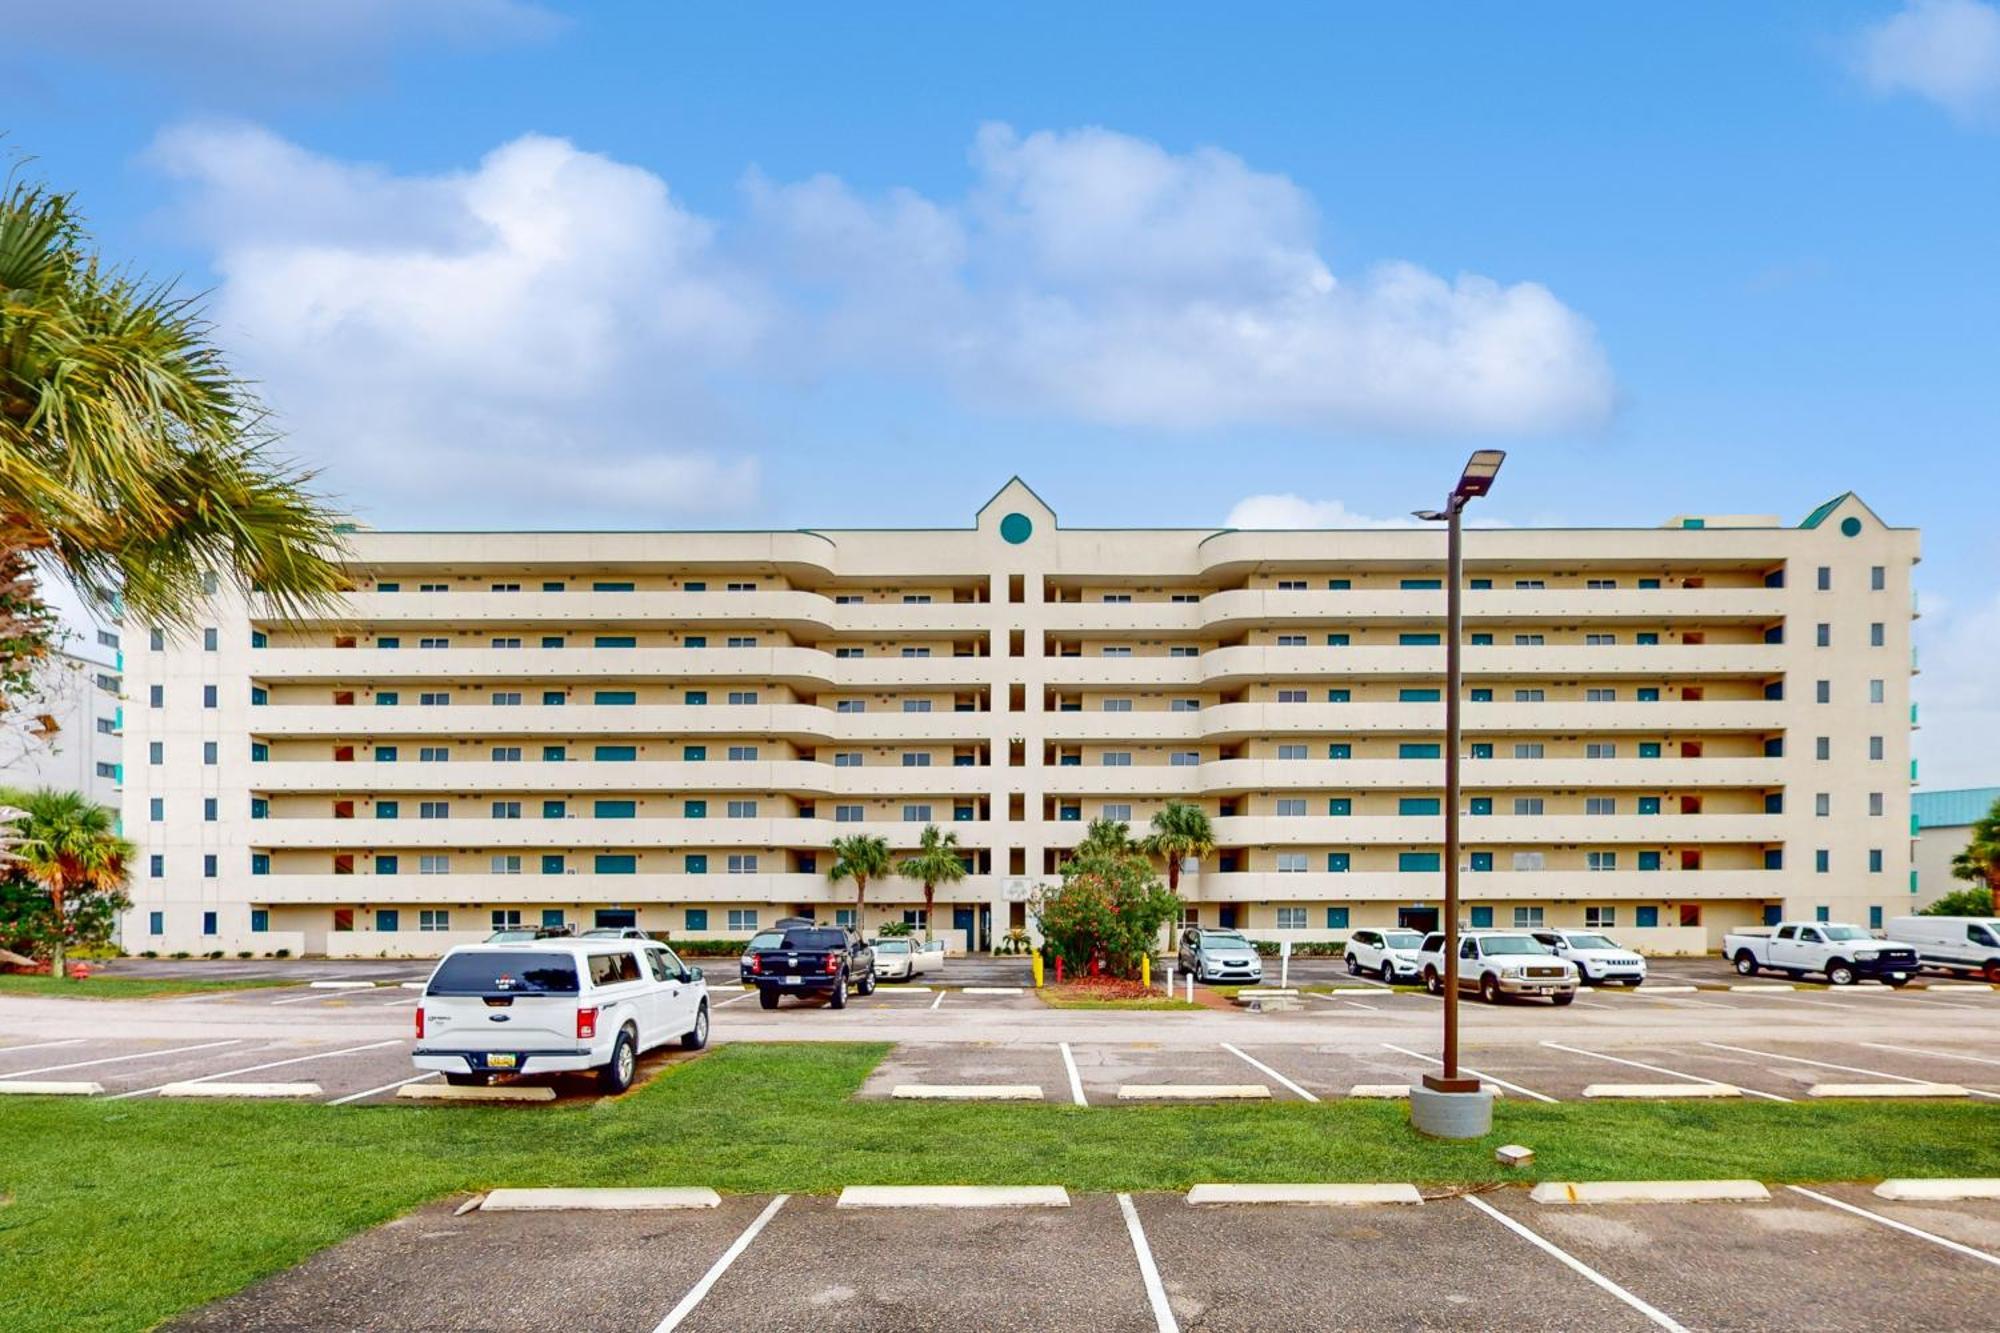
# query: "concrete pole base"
[[1451, 1115]]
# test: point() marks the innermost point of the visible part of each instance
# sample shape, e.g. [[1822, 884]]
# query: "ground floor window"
[[506, 918], [434, 918], [260, 921], [208, 926], [1336, 918], [1527, 918], [552, 918], [1600, 918], [1482, 918], [742, 919], [1291, 918], [1648, 917], [387, 919], [697, 919], [916, 918], [615, 918], [844, 917]]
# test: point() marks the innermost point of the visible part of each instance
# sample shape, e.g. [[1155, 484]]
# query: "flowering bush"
[[1109, 909]]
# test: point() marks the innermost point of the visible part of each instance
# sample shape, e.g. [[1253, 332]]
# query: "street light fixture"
[[1449, 1105]]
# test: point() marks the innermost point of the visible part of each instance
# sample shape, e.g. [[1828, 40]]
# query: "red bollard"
[[1059, 971]]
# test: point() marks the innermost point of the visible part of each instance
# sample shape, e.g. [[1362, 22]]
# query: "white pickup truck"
[[1844, 953]]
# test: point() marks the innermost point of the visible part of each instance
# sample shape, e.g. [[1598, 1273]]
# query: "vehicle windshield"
[[1590, 942], [814, 939], [1509, 944], [1846, 933], [1223, 939], [1401, 939], [511, 973], [763, 939], [510, 936], [892, 946]]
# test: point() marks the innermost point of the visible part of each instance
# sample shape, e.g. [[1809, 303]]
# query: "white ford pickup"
[[1844, 953]]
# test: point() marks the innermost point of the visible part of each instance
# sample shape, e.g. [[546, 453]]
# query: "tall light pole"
[[1450, 1105]]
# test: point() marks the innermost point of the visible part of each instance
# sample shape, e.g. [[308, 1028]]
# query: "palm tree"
[[1979, 863], [1181, 831], [1107, 837], [861, 858], [131, 460], [67, 844], [936, 862]]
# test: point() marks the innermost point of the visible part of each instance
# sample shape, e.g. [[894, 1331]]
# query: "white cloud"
[[1094, 275], [1946, 51], [1959, 693], [1295, 511], [490, 344], [549, 331]]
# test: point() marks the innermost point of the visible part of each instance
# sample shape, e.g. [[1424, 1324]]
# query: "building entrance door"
[[1417, 918]]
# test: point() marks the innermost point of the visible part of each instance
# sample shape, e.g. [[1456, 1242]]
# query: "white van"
[[556, 1006], [1961, 943]]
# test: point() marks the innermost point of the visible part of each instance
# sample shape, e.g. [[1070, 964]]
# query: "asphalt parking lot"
[[1494, 1260]]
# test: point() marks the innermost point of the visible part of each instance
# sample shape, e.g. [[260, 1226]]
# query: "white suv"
[[1389, 954], [1499, 963], [557, 1006], [1601, 960]]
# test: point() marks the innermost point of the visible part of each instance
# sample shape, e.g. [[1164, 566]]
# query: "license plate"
[[1545, 990], [1898, 976], [502, 1061], [791, 981]]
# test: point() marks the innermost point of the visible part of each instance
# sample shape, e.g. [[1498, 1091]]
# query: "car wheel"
[[615, 1077], [1561, 998], [1746, 963], [1993, 973], [697, 1036], [1840, 972], [1432, 982], [1893, 984], [839, 998], [768, 998], [466, 1080], [1353, 966], [1489, 989]]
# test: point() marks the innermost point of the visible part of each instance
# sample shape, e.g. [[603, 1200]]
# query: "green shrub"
[[178, 953], [282, 953], [1302, 948], [1109, 907], [894, 930], [150, 953]]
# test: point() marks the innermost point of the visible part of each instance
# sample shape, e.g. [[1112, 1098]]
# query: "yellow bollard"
[[1146, 971], [1037, 965]]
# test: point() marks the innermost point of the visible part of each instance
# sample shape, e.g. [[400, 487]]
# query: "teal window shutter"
[[1340, 805], [1336, 862], [695, 863], [1482, 918], [552, 863], [616, 863], [1418, 862], [1416, 640], [1419, 750], [1418, 805], [1336, 918], [616, 754], [614, 810]]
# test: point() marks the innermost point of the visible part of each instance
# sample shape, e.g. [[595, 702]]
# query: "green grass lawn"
[[116, 1215], [128, 988]]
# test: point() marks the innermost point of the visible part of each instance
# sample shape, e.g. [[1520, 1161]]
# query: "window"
[[1292, 751], [1335, 641], [1875, 691], [435, 863], [1878, 578], [1600, 585], [1419, 750], [1826, 578], [1336, 918], [1875, 803], [1527, 805], [506, 754], [1528, 640], [506, 864], [433, 809], [1408, 696], [208, 866], [1822, 805], [615, 863], [1528, 696], [611, 585], [259, 807], [1823, 747], [695, 863], [916, 814], [848, 814], [742, 809], [1601, 860], [1117, 759], [434, 642], [850, 652], [1530, 585], [433, 754], [1527, 918], [1647, 638], [1527, 860], [1600, 750], [1337, 863], [1646, 694], [1291, 918], [1194, 705], [1875, 860], [506, 809], [1180, 650], [1480, 805], [509, 641], [1117, 705], [1418, 862], [1600, 696], [916, 705], [1418, 640], [1418, 805], [1481, 861], [1600, 805], [1340, 750], [1291, 640], [1527, 749], [742, 920], [1481, 695], [615, 754], [155, 696], [1291, 863], [1184, 758], [742, 641], [1600, 640], [742, 863], [210, 752], [1123, 813], [1339, 696], [1109, 651], [1286, 806], [434, 918], [208, 639], [1822, 861], [742, 754]]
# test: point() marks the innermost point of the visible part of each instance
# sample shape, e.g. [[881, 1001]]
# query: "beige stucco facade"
[[676, 725]]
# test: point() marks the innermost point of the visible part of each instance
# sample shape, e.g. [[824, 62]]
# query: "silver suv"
[[1219, 955], [1497, 964]]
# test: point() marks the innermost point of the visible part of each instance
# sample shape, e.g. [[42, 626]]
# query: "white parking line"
[[1916, 1050], [316, 995], [1904, 1227], [746, 995], [1674, 1073], [699, 1291], [1845, 1069], [41, 1045], [1075, 1082], [115, 1059], [1149, 1272], [1575, 1265], [253, 1069], [386, 1087], [1259, 1064], [1468, 1069], [938, 1001]]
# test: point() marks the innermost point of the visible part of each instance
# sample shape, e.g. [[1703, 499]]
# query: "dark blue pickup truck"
[[811, 960]]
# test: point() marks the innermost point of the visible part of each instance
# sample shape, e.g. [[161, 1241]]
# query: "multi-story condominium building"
[[1669, 731], [68, 734]]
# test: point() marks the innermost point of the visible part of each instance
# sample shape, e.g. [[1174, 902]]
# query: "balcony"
[[1239, 721], [1496, 886], [806, 668], [796, 776], [808, 724], [801, 614], [1322, 830], [477, 890], [534, 835], [1231, 776]]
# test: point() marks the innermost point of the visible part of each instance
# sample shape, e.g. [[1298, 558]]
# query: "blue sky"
[[670, 265]]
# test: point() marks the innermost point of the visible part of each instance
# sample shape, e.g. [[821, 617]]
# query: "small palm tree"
[[936, 862], [1181, 832], [1106, 837], [66, 844], [860, 858], [1979, 863], [132, 461]]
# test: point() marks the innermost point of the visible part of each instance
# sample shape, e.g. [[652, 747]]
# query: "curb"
[[598, 1200], [1316, 1196], [967, 1092], [340, 985], [1762, 985], [1650, 1191], [989, 990], [445, 1092], [953, 1196], [273, 1090], [1193, 1092], [1661, 1090], [1887, 1090], [1939, 1191], [30, 1089]]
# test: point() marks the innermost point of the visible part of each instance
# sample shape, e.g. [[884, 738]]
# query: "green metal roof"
[[1952, 809], [1818, 516]]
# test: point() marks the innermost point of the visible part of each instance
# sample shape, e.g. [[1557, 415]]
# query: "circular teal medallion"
[[1850, 526], [1017, 528]]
